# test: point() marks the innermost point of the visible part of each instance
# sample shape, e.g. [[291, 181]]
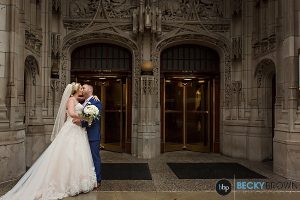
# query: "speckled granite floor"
[[164, 180]]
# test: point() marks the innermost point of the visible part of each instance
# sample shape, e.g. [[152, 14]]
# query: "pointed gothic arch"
[[265, 80], [30, 81]]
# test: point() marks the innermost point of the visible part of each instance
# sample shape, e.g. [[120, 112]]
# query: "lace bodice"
[[78, 109]]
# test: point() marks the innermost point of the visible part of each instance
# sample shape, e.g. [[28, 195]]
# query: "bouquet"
[[90, 113]]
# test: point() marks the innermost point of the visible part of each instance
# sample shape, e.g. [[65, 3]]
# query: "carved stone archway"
[[264, 115], [87, 38], [264, 72], [74, 41], [216, 42], [263, 69], [30, 78]]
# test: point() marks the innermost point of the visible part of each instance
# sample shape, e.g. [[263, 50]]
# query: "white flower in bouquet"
[[90, 113]]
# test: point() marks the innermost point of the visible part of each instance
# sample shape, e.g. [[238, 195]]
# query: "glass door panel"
[[187, 114], [197, 115], [113, 108], [173, 115]]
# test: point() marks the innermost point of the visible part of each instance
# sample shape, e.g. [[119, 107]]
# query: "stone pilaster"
[[148, 138], [12, 133], [4, 61], [287, 135]]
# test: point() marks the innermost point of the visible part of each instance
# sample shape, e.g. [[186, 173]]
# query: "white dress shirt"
[[87, 100]]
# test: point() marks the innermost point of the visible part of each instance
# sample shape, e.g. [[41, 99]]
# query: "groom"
[[93, 131]]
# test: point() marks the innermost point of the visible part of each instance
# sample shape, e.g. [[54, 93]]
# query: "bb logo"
[[223, 187]]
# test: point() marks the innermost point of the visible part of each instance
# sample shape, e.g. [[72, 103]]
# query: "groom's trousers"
[[95, 148]]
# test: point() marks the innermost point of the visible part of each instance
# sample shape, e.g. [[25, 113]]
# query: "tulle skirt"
[[64, 169]]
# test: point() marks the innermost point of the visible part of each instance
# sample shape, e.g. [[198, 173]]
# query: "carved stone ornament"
[[82, 8], [192, 16], [237, 92], [54, 84], [55, 45], [236, 48], [259, 75], [171, 27], [97, 10], [236, 86], [137, 16], [191, 9], [264, 46], [264, 35], [147, 86], [33, 41], [236, 7], [56, 5], [32, 66], [114, 16]]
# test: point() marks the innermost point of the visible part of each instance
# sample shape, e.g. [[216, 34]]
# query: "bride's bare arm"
[[71, 108]]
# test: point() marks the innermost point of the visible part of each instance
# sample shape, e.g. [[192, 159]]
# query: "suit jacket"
[[94, 130]]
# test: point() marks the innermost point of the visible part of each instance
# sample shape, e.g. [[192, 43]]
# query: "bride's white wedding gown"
[[64, 169]]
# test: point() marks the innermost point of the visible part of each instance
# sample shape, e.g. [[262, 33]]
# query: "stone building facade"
[[243, 55]]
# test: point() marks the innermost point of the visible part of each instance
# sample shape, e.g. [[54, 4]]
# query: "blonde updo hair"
[[75, 88]]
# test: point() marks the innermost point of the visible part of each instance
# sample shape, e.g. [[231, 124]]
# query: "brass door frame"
[[102, 113], [184, 116], [163, 116], [126, 113]]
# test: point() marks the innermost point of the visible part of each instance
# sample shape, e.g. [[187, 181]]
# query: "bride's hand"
[[76, 121]]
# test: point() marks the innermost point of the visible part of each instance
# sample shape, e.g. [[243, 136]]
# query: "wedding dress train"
[[64, 169]]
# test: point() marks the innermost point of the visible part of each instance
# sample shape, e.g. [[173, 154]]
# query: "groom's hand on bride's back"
[[76, 121], [96, 98]]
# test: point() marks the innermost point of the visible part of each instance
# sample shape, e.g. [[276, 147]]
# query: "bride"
[[66, 167]]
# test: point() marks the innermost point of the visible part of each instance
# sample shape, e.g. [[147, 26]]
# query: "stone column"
[[4, 62], [12, 147], [46, 25], [287, 138]]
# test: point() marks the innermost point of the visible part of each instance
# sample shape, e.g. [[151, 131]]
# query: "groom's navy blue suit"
[[94, 138]]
